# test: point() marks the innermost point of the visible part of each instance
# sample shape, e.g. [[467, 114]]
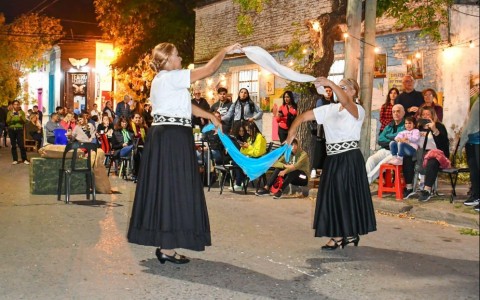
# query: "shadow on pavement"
[[230, 277]]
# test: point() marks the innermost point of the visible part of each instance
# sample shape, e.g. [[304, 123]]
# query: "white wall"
[[457, 63]]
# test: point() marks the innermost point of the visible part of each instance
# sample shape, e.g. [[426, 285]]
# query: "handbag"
[[277, 185]]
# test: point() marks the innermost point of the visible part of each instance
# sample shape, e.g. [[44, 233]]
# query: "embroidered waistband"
[[337, 148], [165, 120]]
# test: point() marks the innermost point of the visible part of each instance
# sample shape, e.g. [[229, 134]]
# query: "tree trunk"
[[352, 43], [367, 74]]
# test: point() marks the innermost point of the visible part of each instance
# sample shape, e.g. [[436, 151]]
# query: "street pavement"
[[262, 249]]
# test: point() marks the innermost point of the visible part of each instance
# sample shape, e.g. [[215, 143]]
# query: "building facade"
[[450, 66]]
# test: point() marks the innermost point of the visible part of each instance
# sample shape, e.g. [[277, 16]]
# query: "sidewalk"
[[437, 209]]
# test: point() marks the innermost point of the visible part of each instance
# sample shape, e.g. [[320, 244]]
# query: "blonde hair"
[[160, 55], [354, 84]]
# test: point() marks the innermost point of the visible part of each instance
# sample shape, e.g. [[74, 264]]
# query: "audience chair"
[[454, 171], [29, 144], [65, 173], [227, 171]]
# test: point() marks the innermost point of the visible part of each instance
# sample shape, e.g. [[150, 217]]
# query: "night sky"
[[66, 10]]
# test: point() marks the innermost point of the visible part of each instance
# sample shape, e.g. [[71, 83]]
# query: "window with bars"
[[248, 79]]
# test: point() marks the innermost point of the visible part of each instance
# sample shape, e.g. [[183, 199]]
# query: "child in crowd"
[[405, 143]]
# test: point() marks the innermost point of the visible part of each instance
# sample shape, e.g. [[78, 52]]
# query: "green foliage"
[[248, 10], [245, 25], [23, 43], [469, 231], [428, 15], [137, 26]]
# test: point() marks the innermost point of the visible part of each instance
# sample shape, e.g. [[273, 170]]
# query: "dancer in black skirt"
[[169, 210], [344, 208]]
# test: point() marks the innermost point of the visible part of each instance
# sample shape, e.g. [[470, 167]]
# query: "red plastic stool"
[[385, 180]]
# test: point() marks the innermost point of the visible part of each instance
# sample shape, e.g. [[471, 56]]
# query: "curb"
[[423, 212]]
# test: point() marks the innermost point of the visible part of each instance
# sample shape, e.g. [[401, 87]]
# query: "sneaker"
[[237, 187], [277, 195], [471, 202], [477, 207], [407, 192], [421, 186], [262, 192], [14, 162], [26, 162], [424, 196]]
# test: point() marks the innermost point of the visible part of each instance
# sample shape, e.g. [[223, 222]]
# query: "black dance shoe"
[[335, 245], [355, 240], [175, 258]]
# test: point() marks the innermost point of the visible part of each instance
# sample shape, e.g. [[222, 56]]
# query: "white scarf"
[[262, 58]]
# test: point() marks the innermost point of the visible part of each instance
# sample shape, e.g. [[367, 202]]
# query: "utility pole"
[[368, 61], [352, 42]]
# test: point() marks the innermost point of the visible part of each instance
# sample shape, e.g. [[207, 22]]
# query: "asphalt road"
[[262, 249]]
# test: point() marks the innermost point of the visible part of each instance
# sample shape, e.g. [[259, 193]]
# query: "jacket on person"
[[300, 160], [257, 149], [16, 121], [389, 133]]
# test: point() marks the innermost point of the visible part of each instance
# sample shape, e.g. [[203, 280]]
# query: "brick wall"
[[216, 25]]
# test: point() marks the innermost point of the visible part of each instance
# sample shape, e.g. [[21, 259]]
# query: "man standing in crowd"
[[410, 99], [201, 102], [15, 121], [222, 106], [327, 98], [123, 108]]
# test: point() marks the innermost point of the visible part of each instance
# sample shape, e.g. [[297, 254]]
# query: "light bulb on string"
[[418, 55], [376, 49], [409, 62], [471, 44], [345, 35]]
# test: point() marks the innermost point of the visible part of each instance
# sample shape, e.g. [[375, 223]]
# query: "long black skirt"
[[344, 205], [169, 209]]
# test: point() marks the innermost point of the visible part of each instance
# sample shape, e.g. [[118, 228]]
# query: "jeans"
[[126, 151], [473, 161], [16, 139], [401, 149]]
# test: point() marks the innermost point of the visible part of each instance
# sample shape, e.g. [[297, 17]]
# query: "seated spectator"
[[84, 132], [122, 138], [68, 122], [293, 172], [33, 130], [51, 125], [436, 156], [106, 127], [431, 99], [405, 142], [139, 129], [255, 146], [215, 144], [386, 109], [388, 134]]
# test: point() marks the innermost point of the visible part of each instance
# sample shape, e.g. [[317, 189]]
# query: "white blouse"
[[339, 126], [169, 94]]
